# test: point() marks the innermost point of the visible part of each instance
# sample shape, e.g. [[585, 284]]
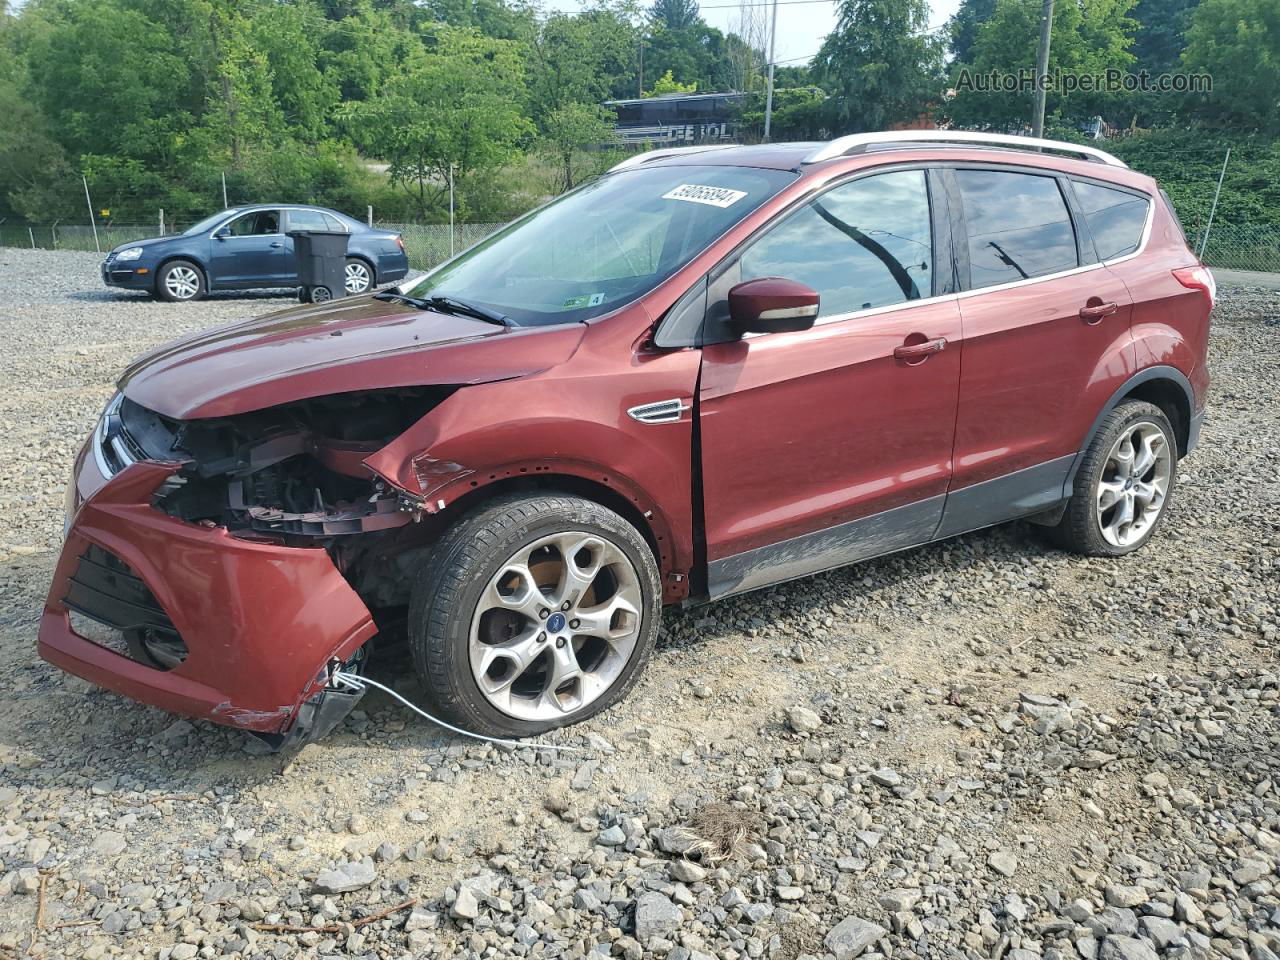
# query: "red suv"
[[709, 371]]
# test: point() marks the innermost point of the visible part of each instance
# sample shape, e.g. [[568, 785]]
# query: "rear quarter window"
[[1116, 218], [1018, 226]]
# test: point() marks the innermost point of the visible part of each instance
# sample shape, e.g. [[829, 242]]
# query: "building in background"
[[678, 119]]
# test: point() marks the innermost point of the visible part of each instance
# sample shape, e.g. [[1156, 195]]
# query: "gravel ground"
[[983, 748]]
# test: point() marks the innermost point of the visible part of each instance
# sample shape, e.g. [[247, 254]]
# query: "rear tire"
[[533, 612], [180, 281], [359, 276], [1124, 484]]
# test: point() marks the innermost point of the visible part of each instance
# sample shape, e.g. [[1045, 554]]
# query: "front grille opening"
[[110, 605]]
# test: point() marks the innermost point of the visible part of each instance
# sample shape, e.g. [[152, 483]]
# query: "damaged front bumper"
[[210, 625]]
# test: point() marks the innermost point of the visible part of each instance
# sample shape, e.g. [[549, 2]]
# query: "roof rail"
[[636, 159], [859, 142]]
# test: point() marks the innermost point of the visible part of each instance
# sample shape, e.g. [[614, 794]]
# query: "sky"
[[802, 24]]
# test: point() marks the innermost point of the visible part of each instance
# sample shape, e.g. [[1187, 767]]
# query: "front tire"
[[534, 612], [180, 281], [1124, 484]]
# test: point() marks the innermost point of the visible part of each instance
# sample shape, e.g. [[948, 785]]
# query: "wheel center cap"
[[555, 623]]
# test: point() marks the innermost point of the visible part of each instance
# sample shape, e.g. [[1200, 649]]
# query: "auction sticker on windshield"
[[713, 196]]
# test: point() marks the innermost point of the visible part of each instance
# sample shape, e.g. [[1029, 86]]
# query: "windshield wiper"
[[397, 297], [447, 305], [462, 308]]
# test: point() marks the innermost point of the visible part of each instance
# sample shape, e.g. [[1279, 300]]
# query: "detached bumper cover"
[[260, 621]]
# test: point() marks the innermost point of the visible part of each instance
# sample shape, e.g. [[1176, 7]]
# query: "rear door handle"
[[276, 243], [1094, 313], [918, 351]]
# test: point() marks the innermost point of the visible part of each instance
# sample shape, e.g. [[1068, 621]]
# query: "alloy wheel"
[[182, 282], [555, 626], [1134, 484], [358, 279]]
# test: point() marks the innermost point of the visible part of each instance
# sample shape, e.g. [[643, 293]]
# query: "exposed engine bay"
[[293, 472]]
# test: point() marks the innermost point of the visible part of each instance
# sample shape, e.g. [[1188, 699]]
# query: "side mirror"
[[773, 305], [221, 233]]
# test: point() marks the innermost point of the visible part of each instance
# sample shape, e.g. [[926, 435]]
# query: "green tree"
[[962, 28], [879, 64], [1237, 42], [1088, 38], [1161, 36], [675, 14], [460, 106], [573, 132], [578, 58], [666, 84]]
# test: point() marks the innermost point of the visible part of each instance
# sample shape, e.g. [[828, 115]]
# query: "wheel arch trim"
[[448, 488], [1149, 375]]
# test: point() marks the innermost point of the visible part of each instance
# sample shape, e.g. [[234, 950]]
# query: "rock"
[[803, 720], [1209, 728], [1003, 862], [790, 893], [899, 900], [421, 918], [109, 844], [612, 837], [852, 935], [1162, 932], [887, 777], [583, 777], [1126, 948], [348, 877], [1119, 895], [656, 916], [686, 871], [465, 905], [677, 841]]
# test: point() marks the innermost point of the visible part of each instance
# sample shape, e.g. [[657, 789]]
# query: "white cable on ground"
[[357, 682]]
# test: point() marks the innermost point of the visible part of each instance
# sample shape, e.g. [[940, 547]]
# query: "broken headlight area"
[[291, 471]]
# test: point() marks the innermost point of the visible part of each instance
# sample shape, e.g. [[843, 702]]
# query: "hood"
[[149, 242], [336, 347]]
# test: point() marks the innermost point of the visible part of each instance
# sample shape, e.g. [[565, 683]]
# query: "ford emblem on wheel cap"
[[555, 623]]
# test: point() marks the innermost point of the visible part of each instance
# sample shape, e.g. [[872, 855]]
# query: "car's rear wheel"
[[1124, 484], [534, 612], [179, 281], [359, 276]]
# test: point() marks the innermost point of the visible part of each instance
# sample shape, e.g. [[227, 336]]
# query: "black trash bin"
[[321, 258]]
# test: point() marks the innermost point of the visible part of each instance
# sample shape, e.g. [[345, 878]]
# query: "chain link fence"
[[1242, 247], [1230, 246], [425, 243]]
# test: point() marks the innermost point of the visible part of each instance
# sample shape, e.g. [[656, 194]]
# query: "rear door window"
[[1116, 218], [861, 245], [308, 220], [1018, 225]]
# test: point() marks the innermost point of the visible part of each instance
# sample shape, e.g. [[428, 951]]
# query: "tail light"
[[1198, 278], [400, 241]]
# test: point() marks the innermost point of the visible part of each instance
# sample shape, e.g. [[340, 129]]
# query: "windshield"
[[602, 245], [208, 222]]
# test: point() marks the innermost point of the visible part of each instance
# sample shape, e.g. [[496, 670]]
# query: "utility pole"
[[92, 219], [1213, 209], [1042, 66], [640, 85], [224, 191], [768, 102]]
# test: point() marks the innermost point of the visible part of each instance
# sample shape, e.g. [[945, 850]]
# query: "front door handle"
[[918, 351], [276, 243], [1096, 311]]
